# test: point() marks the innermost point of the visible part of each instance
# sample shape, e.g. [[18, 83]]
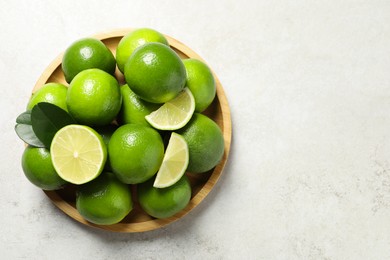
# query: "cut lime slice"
[[78, 153], [174, 164], [175, 113]]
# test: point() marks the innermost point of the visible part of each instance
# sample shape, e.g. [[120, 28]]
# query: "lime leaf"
[[24, 118], [24, 130], [47, 119], [26, 133]]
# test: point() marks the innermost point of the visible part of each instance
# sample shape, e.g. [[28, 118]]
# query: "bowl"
[[202, 184]]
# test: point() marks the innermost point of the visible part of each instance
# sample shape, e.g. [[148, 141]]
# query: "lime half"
[[78, 153], [174, 164], [175, 113]]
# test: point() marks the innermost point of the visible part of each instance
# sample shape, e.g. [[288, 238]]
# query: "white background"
[[308, 86]]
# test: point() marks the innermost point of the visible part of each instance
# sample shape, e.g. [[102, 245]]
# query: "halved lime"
[[78, 153], [175, 113], [174, 164]]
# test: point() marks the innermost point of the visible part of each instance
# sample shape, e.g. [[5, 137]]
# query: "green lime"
[[78, 153], [104, 201], [87, 53], [174, 164], [94, 97], [205, 143], [136, 153], [106, 132], [164, 202], [38, 168], [133, 40], [155, 73], [54, 93], [175, 113], [201, 82], [134, 109]]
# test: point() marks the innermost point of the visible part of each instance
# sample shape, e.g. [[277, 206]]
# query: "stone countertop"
[[308, 85]]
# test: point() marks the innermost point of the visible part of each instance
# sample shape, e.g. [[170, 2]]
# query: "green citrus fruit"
[[39, 170], [175, 113], [174, 164], [87, 53], [205, 143], [78, 153], [164, 202], [133, 40], [54, 93], [134, 109], [201, 82], [94, 97], [104, 201], [155, 73], [135, 153], [106, 132]]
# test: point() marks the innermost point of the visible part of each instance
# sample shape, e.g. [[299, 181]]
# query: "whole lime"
[[205, 143], [106, 132], [201, 82], [164, 202], [136, 153], [94, 97], [133, 40], [54, 93], [134, 109], [87, 53], [39, 170], [104, 201], [155, 73]]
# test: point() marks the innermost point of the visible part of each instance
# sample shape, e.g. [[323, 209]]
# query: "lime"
[[78, 153], [54, 93], [94, 97], [205, 143], [175, 113], [39, 170], [87, 53], [155, 73], [106, 132], [201, 82], [135, 153], [134, 109], [174, 164], [104, 201], [133, 40], [165, 202]]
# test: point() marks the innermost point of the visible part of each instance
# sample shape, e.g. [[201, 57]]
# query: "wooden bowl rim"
[[203, 192]]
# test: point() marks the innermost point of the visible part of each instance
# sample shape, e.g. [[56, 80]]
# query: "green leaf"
[[24, 118], [47, 119], [24, 130], [26, 133]]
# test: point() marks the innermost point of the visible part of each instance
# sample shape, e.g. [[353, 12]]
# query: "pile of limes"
[[148, 132]]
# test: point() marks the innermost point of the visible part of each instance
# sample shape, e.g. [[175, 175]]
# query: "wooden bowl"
[[202, 184]]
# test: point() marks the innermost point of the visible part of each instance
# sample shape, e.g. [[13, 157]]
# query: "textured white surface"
[[308, 84]]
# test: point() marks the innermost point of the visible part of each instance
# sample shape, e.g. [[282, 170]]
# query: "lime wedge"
[[174, 164], [78, 153], [175, 113]]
